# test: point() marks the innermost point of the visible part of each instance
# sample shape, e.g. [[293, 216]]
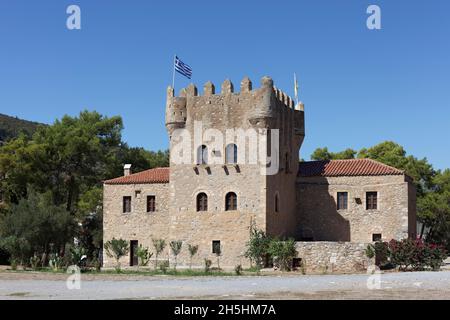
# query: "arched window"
[[231, 154], [202, 202], [202, 154], [230, 201], [277, 203]]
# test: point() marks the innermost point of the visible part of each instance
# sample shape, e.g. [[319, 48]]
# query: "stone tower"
[[267, 200]]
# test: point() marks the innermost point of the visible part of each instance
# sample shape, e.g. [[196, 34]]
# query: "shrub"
[[436, 255], [55, 262], [238, 269], [415, 254], [283, 252], [19, 249], [116, 248], [370, 251], [159, 245], [381, 253], [257, 247], [163, 266], [14, 264], [208, 264], [34, 223], [143, 255], [192, 252], [77, 255], [34, 262], [175, 246], [95, 262]]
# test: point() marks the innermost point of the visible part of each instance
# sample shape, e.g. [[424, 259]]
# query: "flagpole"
[[173, 76], [296, 89]]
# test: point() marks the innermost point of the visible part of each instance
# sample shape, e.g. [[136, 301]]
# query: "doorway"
[[133, 253]]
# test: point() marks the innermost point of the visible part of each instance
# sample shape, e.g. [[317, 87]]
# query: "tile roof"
[[156, 175], [351, 167], [330, 168]]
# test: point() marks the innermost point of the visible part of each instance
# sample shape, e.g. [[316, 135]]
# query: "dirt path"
[[409, 285]]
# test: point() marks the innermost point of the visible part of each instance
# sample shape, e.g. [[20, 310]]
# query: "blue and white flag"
[[183, 68]]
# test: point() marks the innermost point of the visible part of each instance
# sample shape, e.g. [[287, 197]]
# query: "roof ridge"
[[384, 164]]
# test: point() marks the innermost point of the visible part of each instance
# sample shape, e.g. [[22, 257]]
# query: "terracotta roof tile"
[[351, 167], [156, 175]]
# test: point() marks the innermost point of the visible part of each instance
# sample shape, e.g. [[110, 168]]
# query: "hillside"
[[10, 127]]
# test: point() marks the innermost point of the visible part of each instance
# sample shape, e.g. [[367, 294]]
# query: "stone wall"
[[249, 110], [307, 206], [320, 220], [138, 224], [328, 257]]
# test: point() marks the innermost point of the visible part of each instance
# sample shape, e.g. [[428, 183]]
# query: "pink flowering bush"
[[415, 254], [407, 254]]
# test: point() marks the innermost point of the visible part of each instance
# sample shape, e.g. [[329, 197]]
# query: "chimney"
[[127, 169]]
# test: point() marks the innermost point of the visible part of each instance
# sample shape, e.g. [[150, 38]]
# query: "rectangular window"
[[151, 204], [216, 247], [376, 237], [371, 201], [342, 200], [126, 204]]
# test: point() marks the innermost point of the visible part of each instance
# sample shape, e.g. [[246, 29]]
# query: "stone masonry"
[[320, 219], [293, 202]]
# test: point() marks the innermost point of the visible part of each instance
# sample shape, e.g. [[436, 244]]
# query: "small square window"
[[342, 200], [376, 237], [216, 247]]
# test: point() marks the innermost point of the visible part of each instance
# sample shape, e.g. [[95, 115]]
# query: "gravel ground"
[[408, 285]]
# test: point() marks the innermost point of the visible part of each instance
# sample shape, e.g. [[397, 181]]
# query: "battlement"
[[260, 106], [227, 88]]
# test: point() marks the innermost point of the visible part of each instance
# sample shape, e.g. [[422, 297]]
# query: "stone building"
[[214, 199]]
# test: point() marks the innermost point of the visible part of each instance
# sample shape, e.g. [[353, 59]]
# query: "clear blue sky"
[[360, 87]]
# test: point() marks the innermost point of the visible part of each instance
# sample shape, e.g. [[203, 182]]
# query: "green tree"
[[321, 154], [117, 248], [324, 154], [64, 158], [159, 245], [283, 253], [69, 159], [90, 217], [257, 247], [36, 226], [434, 210], [175, 246], [442, 181], [140, 158], [18, 168], [192, 252]]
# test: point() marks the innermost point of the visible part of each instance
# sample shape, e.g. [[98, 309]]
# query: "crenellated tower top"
[[259, 107]]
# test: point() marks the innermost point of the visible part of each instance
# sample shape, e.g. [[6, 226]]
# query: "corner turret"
[[176, 113]]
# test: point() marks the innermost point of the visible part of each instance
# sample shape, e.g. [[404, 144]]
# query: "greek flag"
[[183, 68]]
